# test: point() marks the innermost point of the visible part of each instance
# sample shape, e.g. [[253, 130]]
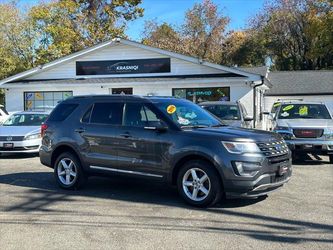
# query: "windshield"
[[25, 120], [187, 114], [303, 111], [225, 112]]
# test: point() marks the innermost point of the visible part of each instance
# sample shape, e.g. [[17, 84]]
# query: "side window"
[[86, 116], [135, 115], [107, 113], [62, 111], [138, 115]]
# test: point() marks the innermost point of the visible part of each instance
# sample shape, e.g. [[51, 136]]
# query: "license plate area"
[[8, 145]]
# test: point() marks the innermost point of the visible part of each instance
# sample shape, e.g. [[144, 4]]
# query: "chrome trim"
[[266, 186], [126, 171]]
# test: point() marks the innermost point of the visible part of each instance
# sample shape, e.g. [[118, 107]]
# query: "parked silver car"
[[305, 126], [20, 133], [231, 113]]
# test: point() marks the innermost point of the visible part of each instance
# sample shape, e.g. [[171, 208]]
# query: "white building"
[[123, 66]]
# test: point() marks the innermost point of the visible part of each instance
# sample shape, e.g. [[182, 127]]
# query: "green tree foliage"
[[201, 34], [297, 33], [53, 29], [65, 26]]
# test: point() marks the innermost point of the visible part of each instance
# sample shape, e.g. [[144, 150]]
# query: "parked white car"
[[20, 133], [3, 114]]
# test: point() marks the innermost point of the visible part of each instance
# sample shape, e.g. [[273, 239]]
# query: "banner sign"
[[137, 66]]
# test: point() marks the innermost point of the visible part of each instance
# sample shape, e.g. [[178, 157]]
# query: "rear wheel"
[[68, 171], [198, 183]]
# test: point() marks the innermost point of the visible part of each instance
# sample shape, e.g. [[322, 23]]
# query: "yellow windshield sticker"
[[289, 107], [171, 109], [276, 104], [303, 110]]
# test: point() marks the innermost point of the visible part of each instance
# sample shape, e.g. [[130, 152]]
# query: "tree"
[[66, 26], [162, 36], [243, 48], [201, 35], [297, 33]]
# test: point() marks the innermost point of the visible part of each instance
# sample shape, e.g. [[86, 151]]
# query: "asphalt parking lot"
[[132, 214]]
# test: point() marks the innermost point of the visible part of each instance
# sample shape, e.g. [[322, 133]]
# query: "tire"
[[331, 159], [192, 187], [68, 172]]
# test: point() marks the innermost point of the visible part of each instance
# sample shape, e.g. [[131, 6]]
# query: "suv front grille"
[[308, 133], [11, 138], [272, 149]]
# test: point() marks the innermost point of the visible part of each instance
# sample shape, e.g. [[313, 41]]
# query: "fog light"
[[246, 168]]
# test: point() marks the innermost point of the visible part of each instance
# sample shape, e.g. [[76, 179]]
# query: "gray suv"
[[162, 138], [305, 126]]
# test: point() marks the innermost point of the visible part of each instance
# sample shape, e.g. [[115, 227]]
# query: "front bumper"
[[25, 146], [311, 145], [267, 180]]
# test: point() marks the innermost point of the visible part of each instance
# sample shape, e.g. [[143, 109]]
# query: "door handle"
[[79, 130], [126, 135]]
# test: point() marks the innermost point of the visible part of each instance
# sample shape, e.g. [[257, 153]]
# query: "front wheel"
[[199, 184], [68, 172]]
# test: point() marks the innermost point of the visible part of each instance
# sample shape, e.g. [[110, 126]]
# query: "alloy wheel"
[[67, 171], [196, 184]]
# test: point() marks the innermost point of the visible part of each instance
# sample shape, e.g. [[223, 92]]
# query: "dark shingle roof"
[[262, 70], [301, 82]]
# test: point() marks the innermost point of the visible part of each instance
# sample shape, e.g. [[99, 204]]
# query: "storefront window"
[[44, 100], [198, 95]]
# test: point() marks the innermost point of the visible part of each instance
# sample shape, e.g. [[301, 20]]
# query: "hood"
[[233, 123], [18, 130], [305, 123], [238, 134]]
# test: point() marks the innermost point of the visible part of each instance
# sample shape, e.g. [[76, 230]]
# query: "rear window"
[[62, 111], [107, 113]]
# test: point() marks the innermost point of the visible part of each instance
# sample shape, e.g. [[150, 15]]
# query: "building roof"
[[41, 68], [129, 79], [261, 70], [310, 82]]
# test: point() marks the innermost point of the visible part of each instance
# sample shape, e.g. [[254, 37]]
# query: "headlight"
[[329, 133], [32, 137], [241, 147]]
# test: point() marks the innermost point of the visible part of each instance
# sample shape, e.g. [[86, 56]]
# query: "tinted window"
[[304, 111], [86, 116], [62, 111], [25, 120], [225, 112], [138, 115], [107, 113]]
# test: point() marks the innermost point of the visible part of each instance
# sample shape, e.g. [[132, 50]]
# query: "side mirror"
[[248, 118], [158, 126], [271, 117]]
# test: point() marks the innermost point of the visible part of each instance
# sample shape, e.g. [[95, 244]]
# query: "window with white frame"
[[44, 100]]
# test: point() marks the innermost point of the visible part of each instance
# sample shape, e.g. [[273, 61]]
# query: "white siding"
[[122, 52], [238, 90]]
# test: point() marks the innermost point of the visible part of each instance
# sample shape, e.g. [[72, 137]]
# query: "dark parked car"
[[230, 113], [163, 138]]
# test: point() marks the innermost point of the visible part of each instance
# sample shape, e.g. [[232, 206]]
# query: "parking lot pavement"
[[133, 214]]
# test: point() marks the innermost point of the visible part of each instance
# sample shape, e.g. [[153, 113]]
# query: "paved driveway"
[[133, 214]]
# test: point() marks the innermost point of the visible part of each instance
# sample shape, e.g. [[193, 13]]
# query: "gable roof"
[[309, 82], [41, 68]]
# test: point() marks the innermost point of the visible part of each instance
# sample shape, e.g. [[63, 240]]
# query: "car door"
[[140, 143], [100, 129]]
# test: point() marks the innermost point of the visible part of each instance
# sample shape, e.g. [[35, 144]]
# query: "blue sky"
[[173, 11]]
